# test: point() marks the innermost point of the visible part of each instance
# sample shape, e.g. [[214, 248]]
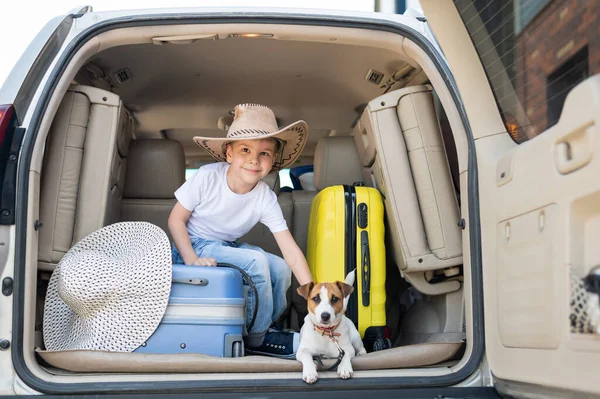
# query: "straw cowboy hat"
[[110, 290], [253, 122]]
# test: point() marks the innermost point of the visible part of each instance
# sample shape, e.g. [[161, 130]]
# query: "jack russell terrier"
[[327, 332]]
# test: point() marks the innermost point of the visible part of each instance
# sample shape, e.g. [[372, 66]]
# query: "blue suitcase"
[[205, 314]]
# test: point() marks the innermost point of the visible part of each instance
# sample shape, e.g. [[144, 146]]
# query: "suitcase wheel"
[[381, 344], [238, 350]]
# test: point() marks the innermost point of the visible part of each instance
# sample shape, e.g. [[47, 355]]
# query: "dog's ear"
[[350, 278], [345, 288], [305, 289]]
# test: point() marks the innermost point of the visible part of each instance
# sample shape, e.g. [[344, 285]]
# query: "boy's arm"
[[293, 256], [177, 219]]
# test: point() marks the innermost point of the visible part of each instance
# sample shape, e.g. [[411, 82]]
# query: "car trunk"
[[170, 82]]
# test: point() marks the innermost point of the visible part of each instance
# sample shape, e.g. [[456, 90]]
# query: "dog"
[[326, 330]]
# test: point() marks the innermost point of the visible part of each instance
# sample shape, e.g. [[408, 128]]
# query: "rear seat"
[[84, 170], [401, 148], [156, 169]]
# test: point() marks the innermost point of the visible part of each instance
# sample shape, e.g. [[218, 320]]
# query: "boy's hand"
[[204, 262]]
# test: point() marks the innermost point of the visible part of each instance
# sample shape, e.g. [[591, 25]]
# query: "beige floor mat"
[[101, 361]]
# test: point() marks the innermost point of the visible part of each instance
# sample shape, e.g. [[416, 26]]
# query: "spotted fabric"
[[110, 291]]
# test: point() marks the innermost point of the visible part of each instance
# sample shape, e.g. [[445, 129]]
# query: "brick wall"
[[557, 33]]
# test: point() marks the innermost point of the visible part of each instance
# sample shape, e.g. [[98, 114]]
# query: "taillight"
[[6, 113]]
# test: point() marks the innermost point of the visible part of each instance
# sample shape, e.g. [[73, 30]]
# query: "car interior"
[[116, 143]]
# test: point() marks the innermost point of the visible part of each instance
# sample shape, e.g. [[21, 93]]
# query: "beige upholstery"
[[302, 201], [84, 169], [272, 180], [156, 169], [119, 362], [336, 162], [400, 144], [260, 235]]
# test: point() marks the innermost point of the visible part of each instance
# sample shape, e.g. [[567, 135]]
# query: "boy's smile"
[[250, 161]]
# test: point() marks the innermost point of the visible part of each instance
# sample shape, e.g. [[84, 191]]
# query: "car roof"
[[99, 16]]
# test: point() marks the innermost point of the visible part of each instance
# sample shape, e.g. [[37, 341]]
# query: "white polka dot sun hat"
[[110, 290]]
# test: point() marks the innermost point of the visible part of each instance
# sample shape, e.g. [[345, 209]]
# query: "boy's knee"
[[284, 274], [260, 264], [288, 281], [262, 260]]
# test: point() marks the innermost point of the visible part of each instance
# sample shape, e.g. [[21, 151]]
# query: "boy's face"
[[251, 160]]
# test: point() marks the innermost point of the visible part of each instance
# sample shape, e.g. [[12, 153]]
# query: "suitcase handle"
[[251, 284], [365, 267], [192, 281]]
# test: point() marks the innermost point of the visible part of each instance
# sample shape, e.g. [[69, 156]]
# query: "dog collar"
[[327, 330]]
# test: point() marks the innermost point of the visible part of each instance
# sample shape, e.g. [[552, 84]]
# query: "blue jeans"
[[271, 276]]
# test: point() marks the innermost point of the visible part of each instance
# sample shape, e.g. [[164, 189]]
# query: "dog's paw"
[[345, 372], [310, 377], [361, 352]]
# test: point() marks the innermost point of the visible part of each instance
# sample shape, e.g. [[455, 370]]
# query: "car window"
[[284, 179], [302, 177], [534, 52], [189, 172]]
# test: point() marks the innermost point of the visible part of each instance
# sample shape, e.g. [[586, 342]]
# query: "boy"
[[222, 201]]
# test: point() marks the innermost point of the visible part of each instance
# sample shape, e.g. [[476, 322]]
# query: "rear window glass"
[[284, 178], [189, 172], [534, 52]]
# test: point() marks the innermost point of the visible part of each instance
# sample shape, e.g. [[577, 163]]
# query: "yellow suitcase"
[[346, 232]]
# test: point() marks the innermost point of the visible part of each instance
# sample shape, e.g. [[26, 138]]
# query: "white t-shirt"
[[219, 213]]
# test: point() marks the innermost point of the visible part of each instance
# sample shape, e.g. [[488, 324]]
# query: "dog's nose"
[[325, 316]]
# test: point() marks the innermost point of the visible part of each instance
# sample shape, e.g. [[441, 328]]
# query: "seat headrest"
[[155, 169], [307, 180], [272, 180], [336, 162]]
